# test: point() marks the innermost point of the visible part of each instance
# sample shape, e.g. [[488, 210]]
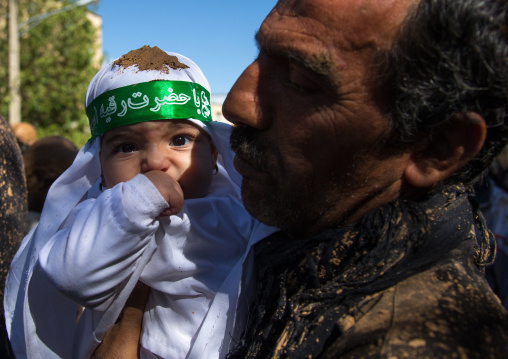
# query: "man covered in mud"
[[359, 130]]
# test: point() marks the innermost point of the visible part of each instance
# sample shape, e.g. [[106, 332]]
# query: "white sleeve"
[[90, 259]]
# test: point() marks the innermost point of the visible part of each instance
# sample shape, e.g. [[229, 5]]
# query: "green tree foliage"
[[56, 58]]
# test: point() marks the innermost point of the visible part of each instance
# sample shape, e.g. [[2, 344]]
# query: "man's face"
[[310, 140], [179, 148]]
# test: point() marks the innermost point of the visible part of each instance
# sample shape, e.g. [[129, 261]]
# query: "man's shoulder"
[[446, 308]]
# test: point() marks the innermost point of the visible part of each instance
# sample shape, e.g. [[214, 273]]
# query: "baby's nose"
[[155, 161]]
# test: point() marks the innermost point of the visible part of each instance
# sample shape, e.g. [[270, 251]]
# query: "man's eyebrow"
[[257, 39], [321, 64], [266, 46]]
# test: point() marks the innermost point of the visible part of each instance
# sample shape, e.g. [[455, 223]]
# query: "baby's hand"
[[169, 189]]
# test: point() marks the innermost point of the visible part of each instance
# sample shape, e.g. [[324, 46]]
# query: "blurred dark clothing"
[[404, 282], [13, 212], [493, 202]]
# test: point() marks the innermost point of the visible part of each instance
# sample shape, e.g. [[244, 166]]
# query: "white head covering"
[[119, 95], [113, 77], [40, 320]]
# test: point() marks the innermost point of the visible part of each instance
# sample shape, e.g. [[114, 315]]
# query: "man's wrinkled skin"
[[327, 111], [320, 56]]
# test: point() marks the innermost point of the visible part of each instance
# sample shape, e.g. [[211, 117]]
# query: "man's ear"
[[451, 147]]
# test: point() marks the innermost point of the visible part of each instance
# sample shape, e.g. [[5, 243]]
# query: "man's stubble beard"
[[272, 201]]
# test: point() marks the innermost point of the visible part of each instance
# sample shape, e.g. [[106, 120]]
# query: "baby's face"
[[176, 147]]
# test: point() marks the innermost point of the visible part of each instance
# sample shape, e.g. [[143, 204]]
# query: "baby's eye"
[[179, 141], [127, 148]]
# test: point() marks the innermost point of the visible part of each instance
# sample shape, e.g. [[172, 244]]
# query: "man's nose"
[[242, 104]]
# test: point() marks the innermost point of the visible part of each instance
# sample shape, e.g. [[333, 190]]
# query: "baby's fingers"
[[168, 212]]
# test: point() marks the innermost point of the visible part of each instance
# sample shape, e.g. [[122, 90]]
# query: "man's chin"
[[256, 200], [243, 167], [264, 202]]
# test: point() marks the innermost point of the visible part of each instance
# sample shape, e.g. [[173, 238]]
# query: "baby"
[[154, 197]]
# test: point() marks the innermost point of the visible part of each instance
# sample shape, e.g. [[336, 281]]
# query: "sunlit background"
[[59, 45]]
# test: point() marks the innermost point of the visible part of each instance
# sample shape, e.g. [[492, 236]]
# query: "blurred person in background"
[[493, 199], [25, 134], [45, 160]]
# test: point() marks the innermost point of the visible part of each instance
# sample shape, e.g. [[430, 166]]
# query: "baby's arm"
[[90, 260]]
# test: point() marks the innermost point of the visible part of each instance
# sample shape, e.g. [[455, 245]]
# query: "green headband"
[[148, 101]]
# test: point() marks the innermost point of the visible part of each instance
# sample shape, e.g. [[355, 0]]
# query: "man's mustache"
[[245, 142]]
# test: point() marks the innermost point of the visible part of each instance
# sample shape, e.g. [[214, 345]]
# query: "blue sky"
[[217, 34]]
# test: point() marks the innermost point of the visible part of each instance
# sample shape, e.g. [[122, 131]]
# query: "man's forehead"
[[362, 22]]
